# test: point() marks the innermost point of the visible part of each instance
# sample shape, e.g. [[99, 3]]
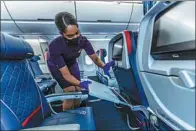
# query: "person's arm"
[[97, 60], [71, 79], [91, 53], [68, 77]]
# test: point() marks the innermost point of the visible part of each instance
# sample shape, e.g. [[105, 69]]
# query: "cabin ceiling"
[[97, 19]]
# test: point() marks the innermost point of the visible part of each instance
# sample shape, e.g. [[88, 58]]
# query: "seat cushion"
[[68, 127], [82, 116]]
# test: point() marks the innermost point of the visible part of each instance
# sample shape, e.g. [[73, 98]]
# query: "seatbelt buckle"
[[84, 91]]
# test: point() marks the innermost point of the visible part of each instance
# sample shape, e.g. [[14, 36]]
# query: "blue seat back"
[[35, 66], [128, 79], [132, 60], [22, 103], [99, 71], [103, 54], [126, 72], [108, 80]]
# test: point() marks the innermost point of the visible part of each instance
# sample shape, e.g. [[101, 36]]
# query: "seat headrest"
[[35, 58], [13, 48], [97, 52], [103, 52]]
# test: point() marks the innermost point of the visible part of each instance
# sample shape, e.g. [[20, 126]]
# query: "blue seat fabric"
[[23, 105], [73, 117]]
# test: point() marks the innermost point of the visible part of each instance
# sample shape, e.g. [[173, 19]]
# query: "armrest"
[[44, 77], [37, 80], [46, 84], [42, 86], [68, 127], [66, 96]]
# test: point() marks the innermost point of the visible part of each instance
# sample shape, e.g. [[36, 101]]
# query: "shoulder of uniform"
[[83, 38], [56, 40]]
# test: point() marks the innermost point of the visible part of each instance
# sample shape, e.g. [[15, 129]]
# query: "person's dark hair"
[[63, 19]]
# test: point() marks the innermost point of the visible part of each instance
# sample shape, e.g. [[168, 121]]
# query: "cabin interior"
[[152, 86]]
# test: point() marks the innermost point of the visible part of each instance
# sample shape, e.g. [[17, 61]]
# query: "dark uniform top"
[[62, 53]]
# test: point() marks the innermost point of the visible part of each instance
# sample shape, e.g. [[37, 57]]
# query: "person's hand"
[[107, 67], [84, 84]]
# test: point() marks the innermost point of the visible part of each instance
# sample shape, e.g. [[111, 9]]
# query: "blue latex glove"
[[107, 67], [84, 84]]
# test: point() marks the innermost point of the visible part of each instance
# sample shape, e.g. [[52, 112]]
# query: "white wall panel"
[[31, 10], [102, 27], [9, 27], [96, 10], [37, 27], [4, 13], [137, 14]]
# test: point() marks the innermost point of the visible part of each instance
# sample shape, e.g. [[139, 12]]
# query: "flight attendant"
[[63, 52]]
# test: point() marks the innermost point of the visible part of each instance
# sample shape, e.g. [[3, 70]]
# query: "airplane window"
[[117, 49], [37, 49], [174, 37], [88, 60]]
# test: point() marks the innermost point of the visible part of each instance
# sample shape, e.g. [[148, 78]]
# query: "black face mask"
[[73, 41]]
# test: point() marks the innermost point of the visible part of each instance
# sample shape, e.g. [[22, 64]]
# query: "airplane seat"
[[123, 53], [122, 49], [105, 79], [45, 82], [99, 71], [23, 105], [36, 68], [122, 69]]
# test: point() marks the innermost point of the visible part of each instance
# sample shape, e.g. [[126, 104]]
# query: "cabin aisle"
[[107, 117]]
